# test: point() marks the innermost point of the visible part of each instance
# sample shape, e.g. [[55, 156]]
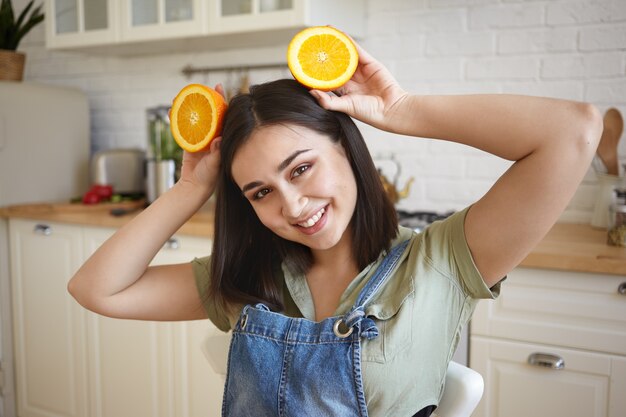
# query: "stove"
[[419, 220]]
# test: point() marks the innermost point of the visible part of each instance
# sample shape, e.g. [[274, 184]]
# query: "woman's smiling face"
[[299, 182]]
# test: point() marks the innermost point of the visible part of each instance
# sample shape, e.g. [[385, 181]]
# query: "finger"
[[349, 87], [220, 89], [193, 157], [330, 101], [215, 145], [321, 98], [364, 56]]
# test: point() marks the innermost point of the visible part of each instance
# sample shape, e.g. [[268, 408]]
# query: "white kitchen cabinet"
[[197, 390], [129, 361], [231, 16], [71, 362], [590, 384], [572, 326], [79, 23], [49, 326], [131, 27], [155, 20]]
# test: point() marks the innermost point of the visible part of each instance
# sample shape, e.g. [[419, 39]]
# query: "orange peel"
[[322, 57], [197, 116]]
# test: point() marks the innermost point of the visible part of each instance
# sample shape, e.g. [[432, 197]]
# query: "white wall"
[[573, 49]]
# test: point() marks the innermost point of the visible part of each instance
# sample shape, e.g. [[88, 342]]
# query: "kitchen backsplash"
[[573, 49]]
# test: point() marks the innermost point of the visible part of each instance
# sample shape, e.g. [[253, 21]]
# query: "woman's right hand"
[[118, 282], [200, 169]]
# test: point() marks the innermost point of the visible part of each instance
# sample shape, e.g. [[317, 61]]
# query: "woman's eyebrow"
[[289, 159], [250, 186], [281, 167]]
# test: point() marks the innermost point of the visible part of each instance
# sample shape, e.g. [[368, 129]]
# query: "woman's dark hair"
[[246, 254]]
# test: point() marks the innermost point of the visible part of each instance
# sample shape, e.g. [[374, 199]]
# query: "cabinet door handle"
[[622, 288], [43, 229], [172, 243], [546, 360]]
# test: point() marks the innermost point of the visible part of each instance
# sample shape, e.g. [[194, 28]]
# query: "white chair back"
[[463, 390], [215, 348]]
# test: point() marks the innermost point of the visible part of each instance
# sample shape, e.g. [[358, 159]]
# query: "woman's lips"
[[314, 223]]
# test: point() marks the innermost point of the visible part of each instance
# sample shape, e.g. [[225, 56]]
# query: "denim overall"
[[284, 366]]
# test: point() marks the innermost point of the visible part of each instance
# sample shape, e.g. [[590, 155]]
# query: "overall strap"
[[382, 274], [356, 316]]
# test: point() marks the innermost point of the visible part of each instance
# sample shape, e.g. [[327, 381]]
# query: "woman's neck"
[[338, 258], [329, 276]]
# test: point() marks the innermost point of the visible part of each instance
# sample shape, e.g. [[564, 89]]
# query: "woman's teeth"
[[314, 219]]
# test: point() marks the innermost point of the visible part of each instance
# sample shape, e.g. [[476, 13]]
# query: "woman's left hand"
[[371, 95]]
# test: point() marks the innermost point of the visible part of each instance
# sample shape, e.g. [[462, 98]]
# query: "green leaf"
[[22, 32], [22, 16], [6, 11], [6, 22], [12, 31]]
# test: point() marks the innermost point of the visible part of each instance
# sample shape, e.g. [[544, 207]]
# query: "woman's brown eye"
[[261, 193], [298, 171]]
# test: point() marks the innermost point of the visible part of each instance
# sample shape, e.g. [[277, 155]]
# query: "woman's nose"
[[293, 204]]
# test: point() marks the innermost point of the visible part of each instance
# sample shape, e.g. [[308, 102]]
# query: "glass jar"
[[164, 156], [617, 219], [161, 143], [605, 195]]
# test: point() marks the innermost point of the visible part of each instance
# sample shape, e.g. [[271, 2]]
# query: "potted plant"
[[11, 33]]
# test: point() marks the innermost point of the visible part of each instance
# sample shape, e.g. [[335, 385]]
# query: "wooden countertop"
[[569, 247], [200, 224], [577, 247]]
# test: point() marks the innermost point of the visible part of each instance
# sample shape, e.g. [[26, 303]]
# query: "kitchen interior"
[[85, 146]]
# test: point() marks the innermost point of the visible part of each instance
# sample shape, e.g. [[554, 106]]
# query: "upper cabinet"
[[161, 19], [228, 16], [126, 27], [76, 23]]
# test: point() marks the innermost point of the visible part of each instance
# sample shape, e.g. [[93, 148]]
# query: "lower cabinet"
[[197, 390], [553, 344], [71, 362], [588, 385], [48, 325]]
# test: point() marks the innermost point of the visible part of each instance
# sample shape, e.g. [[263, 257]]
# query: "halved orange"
[[196, 117], [322, 57]]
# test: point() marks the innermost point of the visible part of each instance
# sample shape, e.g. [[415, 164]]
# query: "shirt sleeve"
[[446, 247], [202, 276]]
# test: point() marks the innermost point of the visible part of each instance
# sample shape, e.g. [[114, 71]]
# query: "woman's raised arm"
[[551, 141], [116, 280]]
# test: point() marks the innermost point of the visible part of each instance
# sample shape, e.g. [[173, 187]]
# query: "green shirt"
[[419, 312]]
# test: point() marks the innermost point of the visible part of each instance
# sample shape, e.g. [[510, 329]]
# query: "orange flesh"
[[324, 57], [191, 124]]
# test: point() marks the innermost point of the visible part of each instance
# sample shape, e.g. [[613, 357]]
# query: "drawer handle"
[[546, 360], [43, 229], [622, 288], [172, 243]]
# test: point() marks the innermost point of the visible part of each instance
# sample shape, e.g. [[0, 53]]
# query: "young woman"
[[335, 310]]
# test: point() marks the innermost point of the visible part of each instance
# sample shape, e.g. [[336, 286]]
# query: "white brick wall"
[[573, 49]]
